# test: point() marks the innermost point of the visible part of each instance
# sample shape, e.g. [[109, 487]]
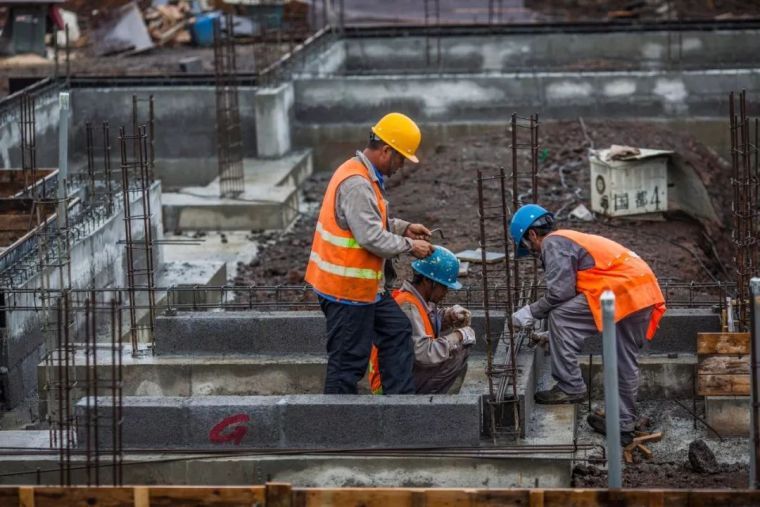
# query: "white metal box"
[[632, 186]]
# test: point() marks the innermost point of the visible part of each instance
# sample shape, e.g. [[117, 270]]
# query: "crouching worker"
[[442, 337]]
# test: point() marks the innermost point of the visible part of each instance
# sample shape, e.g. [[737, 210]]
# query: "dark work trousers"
[[351, 331], [570, 324]]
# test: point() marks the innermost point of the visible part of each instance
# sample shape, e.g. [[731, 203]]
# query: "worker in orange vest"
[[347, 266], [442, 337], [578, 268]]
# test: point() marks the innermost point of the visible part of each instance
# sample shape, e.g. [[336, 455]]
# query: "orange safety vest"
[[338, 265], [373, 371], [620, 270]]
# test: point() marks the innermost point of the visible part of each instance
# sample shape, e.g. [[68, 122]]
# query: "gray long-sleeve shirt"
[[562, 259], [429, 350], [357, 210]]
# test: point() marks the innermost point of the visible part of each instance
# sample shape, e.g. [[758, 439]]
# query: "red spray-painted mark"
[[230, 429]]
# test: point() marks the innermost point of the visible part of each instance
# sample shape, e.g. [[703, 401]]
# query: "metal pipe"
[[611, 395], [754, 455]]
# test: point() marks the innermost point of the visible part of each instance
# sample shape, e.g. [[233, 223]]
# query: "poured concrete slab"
[[253, 332], [297, 421], [300, 470], [269, 200]]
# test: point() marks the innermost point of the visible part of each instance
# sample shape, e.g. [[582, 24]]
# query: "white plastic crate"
[[630, 187]]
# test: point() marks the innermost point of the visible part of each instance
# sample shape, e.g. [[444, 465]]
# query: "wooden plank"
[[9, 495], [279, 494], [536, 498], [142, 496], [26, 497], [195, 495], [722, 343], [723, 365], [80, 495], [723, 385]]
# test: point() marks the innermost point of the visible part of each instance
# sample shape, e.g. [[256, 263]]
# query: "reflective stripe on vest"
[[373, 371], [338, 265], [620, 270]]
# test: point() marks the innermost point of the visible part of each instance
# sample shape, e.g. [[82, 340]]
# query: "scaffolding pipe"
[[611, 401], [754, 452]]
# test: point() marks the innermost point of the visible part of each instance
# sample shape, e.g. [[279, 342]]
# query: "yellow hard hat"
[[400, 133]]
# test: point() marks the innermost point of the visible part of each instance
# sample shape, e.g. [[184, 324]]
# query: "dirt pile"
[[442, 193]]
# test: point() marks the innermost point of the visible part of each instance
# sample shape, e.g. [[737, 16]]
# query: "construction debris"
[[124, 31]]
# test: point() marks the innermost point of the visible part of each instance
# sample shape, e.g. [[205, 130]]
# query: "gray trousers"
[[440, 378], [569, 326]]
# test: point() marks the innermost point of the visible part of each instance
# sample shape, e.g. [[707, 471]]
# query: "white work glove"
[[523, 317], [458, 316], [468, 336]]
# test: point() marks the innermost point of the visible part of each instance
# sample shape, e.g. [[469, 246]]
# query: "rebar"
[[229, 141], [744, 208], [139, 250], [28, 130]]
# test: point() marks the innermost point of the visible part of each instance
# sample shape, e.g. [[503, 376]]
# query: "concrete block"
[[311, 421], [662, 377], [188, 274], [273, 113], [730, 415], [253, 332]]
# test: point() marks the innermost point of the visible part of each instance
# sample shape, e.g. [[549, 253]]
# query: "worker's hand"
[[421, 248], [457, 316], [468, 336], [417, 231], [541, 339], [523, 317]]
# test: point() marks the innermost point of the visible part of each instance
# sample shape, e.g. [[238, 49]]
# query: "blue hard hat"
[[441, 266], [525, 217]]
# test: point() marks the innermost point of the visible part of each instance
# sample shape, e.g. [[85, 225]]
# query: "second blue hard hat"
[[525, 217], [441, 266]]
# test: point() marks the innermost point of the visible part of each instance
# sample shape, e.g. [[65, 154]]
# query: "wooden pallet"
[[723, 364]]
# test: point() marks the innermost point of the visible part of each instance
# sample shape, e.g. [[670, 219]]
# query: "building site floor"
[[441, 192]]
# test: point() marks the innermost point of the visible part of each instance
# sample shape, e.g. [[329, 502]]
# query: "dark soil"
[[442, 193], [664, 475]]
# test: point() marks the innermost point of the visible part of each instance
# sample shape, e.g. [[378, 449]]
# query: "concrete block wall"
[[295, 421], [549, 51], [453, 98], [98, 258], [185, 123], [253, 332], [46, 118]]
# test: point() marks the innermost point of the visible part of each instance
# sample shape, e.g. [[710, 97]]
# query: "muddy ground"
[[441, 192], [664, 475]]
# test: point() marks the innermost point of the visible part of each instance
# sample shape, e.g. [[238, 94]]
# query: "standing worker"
[[578, 268], [442, 337], [348, 269]]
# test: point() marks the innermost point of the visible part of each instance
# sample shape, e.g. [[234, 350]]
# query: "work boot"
[[599, 424], [556, 396]]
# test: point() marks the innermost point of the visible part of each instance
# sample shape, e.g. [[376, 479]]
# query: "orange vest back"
[[338, 265], [373, 371], [620, 270]]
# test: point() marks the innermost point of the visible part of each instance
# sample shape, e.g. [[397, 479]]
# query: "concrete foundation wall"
[[255, 333], [556, 95], [551, 51], [97, 259], [46, 124], [185, 126], [297, 421]]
